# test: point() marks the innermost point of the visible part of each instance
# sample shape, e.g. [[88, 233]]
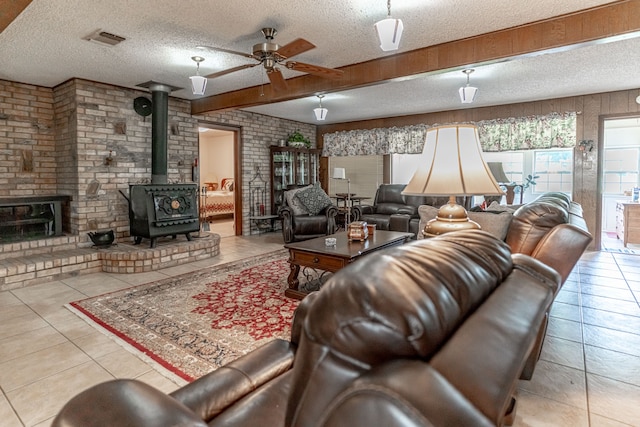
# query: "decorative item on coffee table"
[[358, 230]]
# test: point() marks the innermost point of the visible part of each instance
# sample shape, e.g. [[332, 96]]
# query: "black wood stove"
[[161, 209]]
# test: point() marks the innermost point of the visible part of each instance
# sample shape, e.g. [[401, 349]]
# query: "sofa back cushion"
[[533, 221], [495, 223], [404, 302], [389, 193]]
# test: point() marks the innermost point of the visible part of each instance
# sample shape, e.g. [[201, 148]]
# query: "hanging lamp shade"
[[198, 84], [467, 93], [389, 33], [321, 113]]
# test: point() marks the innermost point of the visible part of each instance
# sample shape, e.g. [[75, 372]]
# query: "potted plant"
[[296, 139]]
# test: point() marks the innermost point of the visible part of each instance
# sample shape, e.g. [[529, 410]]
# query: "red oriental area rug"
[[194, 323]]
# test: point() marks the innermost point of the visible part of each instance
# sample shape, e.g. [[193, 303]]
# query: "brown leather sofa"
[[432, 333]]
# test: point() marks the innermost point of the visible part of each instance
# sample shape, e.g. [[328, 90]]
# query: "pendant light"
[[320, 112], [467, 93], [389, 31], [198, 82]]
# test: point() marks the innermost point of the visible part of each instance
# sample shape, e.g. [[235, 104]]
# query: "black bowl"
[[102, 238]]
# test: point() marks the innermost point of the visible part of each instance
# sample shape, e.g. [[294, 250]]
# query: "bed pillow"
[[227, 184], [294, 203], [314, 199]]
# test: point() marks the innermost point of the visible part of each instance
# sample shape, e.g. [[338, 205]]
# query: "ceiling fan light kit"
[[467, 93], [320, 111], [198, 82], [269, 54], [389, 31]]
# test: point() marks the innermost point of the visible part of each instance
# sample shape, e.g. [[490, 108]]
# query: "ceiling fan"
[[270, 54]]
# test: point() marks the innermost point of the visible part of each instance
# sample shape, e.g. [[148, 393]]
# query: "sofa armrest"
[[212, 393], [382, 397], [285, 213], [125, 402], [364, 209], [562, 247]]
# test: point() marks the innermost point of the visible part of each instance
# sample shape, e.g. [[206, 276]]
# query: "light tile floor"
[[588, 375]]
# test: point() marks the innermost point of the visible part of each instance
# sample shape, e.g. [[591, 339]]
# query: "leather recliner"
[[389, 203], [431, 333], [303, 227]]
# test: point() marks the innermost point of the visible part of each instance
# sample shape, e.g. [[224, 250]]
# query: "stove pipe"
[[159, 124]]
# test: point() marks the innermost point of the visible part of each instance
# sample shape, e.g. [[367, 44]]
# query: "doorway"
[[219, 170], [619, 174]]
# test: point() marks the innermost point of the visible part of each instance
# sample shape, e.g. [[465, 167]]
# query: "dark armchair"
[[307, 212]]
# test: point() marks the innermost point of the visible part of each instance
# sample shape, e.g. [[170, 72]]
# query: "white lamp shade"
[[321, 113], [339, 173], [453, 165], [389, 33], [198, 84], [467, 94]]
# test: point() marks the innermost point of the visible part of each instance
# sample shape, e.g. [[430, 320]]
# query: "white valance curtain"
[[556, 130]]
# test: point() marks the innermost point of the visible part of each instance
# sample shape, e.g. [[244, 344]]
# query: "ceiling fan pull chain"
[[389, 8]]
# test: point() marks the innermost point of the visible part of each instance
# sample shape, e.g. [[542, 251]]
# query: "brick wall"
[[27, 140], [70, 131]]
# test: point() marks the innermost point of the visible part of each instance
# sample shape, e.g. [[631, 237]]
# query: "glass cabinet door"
[[282, 165], [302, 169]]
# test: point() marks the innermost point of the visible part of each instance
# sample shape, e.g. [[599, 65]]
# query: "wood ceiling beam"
[[9, 11], [597, 25]]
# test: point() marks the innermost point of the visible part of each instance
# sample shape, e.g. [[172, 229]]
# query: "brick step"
[[23, 271], [28, 269]]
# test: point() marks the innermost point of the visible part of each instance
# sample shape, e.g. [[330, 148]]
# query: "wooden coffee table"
[[315, 254]]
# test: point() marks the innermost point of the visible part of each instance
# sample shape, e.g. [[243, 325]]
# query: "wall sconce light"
[[467, 93], [320, 112], [585, 146], [198, 82], [389, 31]]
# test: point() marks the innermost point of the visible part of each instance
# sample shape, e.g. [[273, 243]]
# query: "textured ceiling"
[[45, 45]]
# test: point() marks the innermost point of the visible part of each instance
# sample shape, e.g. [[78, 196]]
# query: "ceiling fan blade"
[[278, 82], [233, 52], [230, 70], [329, 73], [296, 47]]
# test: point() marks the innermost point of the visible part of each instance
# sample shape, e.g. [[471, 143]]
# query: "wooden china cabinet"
[[291, 166]]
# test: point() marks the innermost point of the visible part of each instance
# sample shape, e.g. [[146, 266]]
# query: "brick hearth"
[[26, 263]]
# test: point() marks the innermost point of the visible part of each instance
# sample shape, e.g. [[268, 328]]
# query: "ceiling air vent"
[[103, 37]]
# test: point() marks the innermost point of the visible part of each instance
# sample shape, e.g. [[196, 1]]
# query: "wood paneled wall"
[[590, 109]]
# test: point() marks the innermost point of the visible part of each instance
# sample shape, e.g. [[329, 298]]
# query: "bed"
[[219, 202]]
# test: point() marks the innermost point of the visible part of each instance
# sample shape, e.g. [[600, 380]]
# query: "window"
[[554, 168]]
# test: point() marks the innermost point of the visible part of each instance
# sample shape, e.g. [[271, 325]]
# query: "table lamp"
[[341, 173], [452, 166]]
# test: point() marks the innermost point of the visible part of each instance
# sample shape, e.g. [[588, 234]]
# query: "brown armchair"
[[307, 212]]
